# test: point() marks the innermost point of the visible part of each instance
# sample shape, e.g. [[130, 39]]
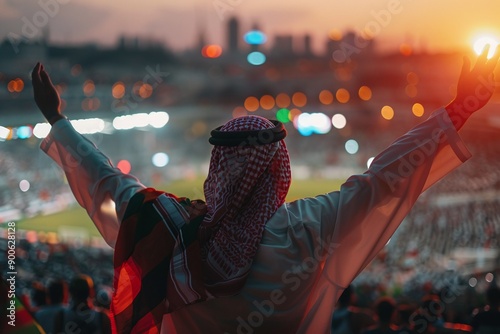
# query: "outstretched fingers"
[[45, 77], [483, 57], [492, 62], [35, 75]]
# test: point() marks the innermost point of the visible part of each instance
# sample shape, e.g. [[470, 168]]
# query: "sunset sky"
[[433, 25]]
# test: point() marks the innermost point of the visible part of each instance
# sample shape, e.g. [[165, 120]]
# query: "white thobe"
[[311, 249]]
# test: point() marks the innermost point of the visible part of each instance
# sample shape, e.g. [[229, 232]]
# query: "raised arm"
[[474, 89], [100, 188], [358, 220], [45, 94]]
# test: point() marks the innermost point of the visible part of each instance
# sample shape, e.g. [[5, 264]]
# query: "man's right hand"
[[475, 87], [46, 97]]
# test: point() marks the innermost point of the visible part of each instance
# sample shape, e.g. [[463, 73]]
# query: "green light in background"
[[282, 115]]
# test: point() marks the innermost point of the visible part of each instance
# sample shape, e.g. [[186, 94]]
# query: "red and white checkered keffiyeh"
[[244, 188]]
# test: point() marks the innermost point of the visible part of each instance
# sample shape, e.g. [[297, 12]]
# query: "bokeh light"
[[4, 132], [369, 162], [326, 97], [267, 102], [335, 34], [472, 282], [307, 124], [145, 91], [158, 119], [251, 103], [160, 159], [88, 125], [352, 146], [15, 86], [299, 99], [417, 109], [387, 112], [342, 95], [283, 115], [24, 132], [339, 121], [294, 113], [283, 100], [211, 51], [124, 166], [255, 37], [118, 90], [41, 130], [489, 277], [24, 185], [11, 134], [88, 88], [239, 112], [256, 58], [365, 93]]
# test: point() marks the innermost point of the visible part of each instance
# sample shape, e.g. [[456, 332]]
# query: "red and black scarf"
[[157, 261]]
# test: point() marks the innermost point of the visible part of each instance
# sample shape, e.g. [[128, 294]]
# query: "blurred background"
[[147, 81]]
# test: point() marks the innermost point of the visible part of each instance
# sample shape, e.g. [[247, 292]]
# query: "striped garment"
[[157, 261]]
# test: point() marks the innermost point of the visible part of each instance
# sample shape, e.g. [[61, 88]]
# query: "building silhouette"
[[233, 35]]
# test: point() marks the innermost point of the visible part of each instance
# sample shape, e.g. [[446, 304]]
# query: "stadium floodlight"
[[351, 146], [88, 125], [339, 121], [318, 123], [4, 133], [160, 159], [41, 130], [24, 185], [158, 119]]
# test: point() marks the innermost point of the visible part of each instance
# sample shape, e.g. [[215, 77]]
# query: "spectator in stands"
[[488, 321], [57, 295], [385, 308], [404, 314], [80, 315], [429, 318], [245, 251], [103, 301], [348, 319], [38, 297]]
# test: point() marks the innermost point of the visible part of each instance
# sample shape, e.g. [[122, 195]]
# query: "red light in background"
[[211, 51], [124, 166]]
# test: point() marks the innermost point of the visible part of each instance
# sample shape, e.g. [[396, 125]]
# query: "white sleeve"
[[358, 220], [100, 188]]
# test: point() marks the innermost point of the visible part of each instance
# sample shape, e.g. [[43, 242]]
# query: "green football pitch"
[[77, 217]]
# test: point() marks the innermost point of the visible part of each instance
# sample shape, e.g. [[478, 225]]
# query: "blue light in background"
[[255, 37], [24, 132], [256, 58]]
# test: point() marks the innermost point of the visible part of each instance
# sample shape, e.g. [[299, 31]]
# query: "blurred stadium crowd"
[[442, 259], [61, 283]]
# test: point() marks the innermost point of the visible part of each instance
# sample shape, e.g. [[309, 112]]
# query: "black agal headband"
[[248, 137]]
